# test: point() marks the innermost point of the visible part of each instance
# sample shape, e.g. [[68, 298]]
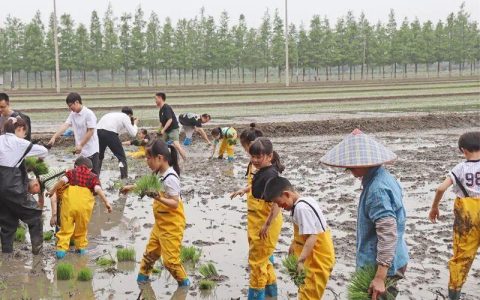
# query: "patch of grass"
[[190, 254], [85, 274], [290, 263], [360, 282], [206, 284], [104, 261], [208, 271], [65, 271], [20, 234], [36, 165], [48, 235], [126, 254], [148, 185]]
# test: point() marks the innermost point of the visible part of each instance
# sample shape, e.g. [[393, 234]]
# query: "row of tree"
[[195, 47]]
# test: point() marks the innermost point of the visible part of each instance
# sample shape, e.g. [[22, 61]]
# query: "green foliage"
[[360, 282], [290, 263], [65, 271], [208, 271], [126, 254], [148, 185], [85, 274], [36, 165], [104, 261], [48, 235], [190, 254], [205, 284], [20, 234]]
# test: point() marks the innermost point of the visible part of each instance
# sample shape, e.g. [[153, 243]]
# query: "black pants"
[[111, 140], [10, 214], [97, 165]]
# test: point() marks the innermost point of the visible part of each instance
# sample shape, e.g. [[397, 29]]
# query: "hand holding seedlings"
[[126, 189], [240, 192]]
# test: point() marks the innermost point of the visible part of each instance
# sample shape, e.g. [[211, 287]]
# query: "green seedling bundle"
[[190, 254], [148, 185], [126, 254], [36, 165], [360, 282], [290, 263]]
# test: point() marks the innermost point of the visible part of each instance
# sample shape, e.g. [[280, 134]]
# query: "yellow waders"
[[165, 240], [76, 211], [319, 264], [262, 272], [466, 240], [140, 153], [228, 142]]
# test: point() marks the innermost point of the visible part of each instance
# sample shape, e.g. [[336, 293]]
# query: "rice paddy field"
[[420, 120]]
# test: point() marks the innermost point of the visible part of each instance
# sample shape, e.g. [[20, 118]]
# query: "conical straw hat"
[[358, 150]]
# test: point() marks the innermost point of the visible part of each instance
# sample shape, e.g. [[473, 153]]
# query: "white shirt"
[[13, 147], [171, 183], [80, 122], [305, 218], [468, 172], [117, 122]]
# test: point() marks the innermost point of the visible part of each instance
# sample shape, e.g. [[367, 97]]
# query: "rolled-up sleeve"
[[386, 229]]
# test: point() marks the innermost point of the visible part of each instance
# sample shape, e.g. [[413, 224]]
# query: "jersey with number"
[[468, 173]]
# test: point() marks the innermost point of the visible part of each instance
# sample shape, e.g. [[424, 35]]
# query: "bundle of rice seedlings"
[[64, 271], [35, 165], [148, 185], [290, 263], [85, 274], [20, 234], [48, 235], [118, 184], [104, 261], [206, 284], [208, 271], [190, 254], [360, 282], [126, 254]]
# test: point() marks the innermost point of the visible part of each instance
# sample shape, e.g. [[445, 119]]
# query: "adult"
[[381, 213], [108, 129], [84, 124], [193, 123], [6, 112], [170, 131], [14, 199]]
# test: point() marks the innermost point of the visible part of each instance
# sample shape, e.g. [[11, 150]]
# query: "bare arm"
[[169, 122], [434, 211], [240, 192], [308, 247], [59, 132], [169, 201], [203, 134], [213, 150], [127, 143], [104, 199], [274, 211], [57, 185], [86, 138], [53, 203]]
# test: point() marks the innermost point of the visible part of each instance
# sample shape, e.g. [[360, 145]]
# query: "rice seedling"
[[104, 261], [64, 271], [20, 234], [126, 254], [118, 184], [148, 185], [190, 254], [206, 284], [360, 282], [36, 165], [85, 274], [208, 271], [48, 235], [290, 263]]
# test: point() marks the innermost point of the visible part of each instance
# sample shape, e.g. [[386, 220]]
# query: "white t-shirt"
[[80, 122], [117, 122], [13, 147], [306, 219], [468, 172], [171, 183]]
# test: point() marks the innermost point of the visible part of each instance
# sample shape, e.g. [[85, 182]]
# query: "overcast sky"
[[299, 10]]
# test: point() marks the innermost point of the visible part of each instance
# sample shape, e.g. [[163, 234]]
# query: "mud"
[[217, 225]]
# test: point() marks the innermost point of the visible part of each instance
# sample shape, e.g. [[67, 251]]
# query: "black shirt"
[[260, 180], [166, 113], [190, 119]]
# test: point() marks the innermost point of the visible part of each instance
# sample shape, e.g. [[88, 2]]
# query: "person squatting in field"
[[141, 141], [227, 138], [193, 123], [465, 178]]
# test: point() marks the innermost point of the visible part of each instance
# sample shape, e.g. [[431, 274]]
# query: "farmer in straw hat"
[[381, 214]]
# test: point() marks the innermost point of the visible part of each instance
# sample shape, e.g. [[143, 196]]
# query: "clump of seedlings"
[[36, 165], [206, 284], [64, 271], [118, 185], [290, 263], [208, 271], [104, 261], [85, 274], [360, 282], [20, 234], [190, 254], [148, 185], [126, 254], [48, 235]]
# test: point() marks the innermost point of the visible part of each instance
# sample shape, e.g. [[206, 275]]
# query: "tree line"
[[202, 47]]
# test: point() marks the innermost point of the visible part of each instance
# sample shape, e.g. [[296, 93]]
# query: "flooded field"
[[217, 225]]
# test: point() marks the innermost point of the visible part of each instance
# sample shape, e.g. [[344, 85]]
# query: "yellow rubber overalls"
[[228, 142], [140, 153], [262, 272], [165, 240]]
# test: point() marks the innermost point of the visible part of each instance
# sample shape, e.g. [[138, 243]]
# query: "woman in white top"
[[14, 185]]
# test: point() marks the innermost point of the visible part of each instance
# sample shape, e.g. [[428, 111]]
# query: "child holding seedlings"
[[465, 178], [142, 140], [312, 241], [264, 220], [227, 138], [77, 205], [167, 233]]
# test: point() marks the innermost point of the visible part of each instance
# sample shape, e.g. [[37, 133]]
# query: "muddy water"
[[217, 224]]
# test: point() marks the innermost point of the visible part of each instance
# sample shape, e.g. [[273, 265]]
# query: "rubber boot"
[[256, 294], [60, 254], [454, 294], [271, 259], [230, 159], [271, 290], [81, 251], [7, 237], [123, 172], [187, 141], [143, 278], [184, 283]]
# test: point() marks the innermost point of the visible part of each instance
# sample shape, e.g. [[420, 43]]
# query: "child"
[[167, 233], [465, 178], [77, 205], [227, 137], [263, 216], [141, 141], [312, 241], [47, 181]]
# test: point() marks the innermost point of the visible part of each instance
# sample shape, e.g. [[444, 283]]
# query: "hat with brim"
[[358, 150]]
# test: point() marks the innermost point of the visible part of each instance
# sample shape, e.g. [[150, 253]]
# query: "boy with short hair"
[[312, 242], [465, 178], [77, 205]]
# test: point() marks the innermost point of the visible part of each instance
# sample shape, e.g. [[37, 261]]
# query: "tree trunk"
[[205, 76], [28, 81], [416, 69], [97, 71], [326, 72], [395, 70], [255, 75], [243, 74], [449, 68], [112, 74], [41, 79], [405, 70], [438, 68], [35, 77], [125, 79]]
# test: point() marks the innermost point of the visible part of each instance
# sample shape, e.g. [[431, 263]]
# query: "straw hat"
[[358, 150]]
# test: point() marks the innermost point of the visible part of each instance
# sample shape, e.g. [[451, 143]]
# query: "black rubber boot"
[[454, 294]]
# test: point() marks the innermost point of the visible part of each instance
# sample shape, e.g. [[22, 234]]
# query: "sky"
[[298, 10]]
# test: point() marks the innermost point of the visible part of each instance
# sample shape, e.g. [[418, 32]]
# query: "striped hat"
[[358, 150]]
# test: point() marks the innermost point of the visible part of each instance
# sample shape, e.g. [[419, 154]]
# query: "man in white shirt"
[[83, 122], [108, 129]]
